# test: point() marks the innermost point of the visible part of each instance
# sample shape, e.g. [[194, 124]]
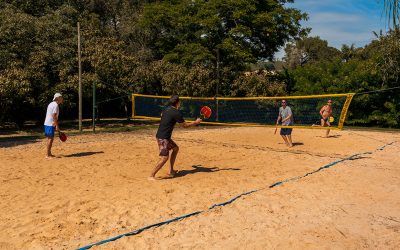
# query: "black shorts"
[[165, 145], [286, 131]]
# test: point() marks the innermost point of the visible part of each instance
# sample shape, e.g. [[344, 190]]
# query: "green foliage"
[[375, 67], [35, 7], [16, 31], [308, 50], [36, 51], [187, 47], [241, 32], [156, 47], [258, 85], [169, 78]]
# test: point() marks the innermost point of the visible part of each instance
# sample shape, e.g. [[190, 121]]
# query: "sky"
[[343, 21]]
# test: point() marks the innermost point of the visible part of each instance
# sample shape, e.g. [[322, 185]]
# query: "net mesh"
[[247, 111]]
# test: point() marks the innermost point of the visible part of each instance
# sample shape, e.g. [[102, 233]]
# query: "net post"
[[345, 108], [217, 87], [216, 109], [94, 107], [133, 106]]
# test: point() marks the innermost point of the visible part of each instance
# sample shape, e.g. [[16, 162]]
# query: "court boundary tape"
[[135, 232]]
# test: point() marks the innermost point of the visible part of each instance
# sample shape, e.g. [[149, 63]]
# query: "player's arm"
[[190, 124], [321, 112], [279, 118], [287, 118], [55, 121], [179, 119]]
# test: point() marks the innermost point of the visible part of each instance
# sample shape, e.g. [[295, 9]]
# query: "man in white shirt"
[[51, 122], [286, 117]]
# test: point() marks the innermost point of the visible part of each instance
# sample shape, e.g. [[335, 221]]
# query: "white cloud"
[[335, 17], [338, 28], [342, 21]]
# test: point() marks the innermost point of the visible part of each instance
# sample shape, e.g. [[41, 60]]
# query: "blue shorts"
[[286, 131], [49, 131]]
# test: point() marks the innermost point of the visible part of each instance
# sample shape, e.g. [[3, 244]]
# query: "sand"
[[97, 188]]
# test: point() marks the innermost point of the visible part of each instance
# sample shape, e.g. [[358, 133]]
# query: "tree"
[[235, 33], [37, 53], [308, 50], [374, 67], [387, 63], [258, 85], [392, 10], [39, 56], [16, 89], [35, 7]]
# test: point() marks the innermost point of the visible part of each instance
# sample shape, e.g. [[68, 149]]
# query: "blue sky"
[[343, 21]]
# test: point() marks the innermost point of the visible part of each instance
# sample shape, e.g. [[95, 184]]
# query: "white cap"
[[56, 95]]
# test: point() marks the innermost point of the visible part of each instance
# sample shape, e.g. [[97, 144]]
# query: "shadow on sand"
[[200, 169], [330, 136], [82, 154], [13, 141]]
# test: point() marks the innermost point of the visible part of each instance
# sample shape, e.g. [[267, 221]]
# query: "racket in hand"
[[205, 112], [62, 136]]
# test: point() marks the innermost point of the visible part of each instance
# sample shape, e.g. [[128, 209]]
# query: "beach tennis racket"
[[62, 136], [331, 119], [205, 112]]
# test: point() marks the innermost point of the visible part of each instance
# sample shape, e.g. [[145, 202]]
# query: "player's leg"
[[283, 134], [49, 133], [289, 138], [160, 164], [174, 153], [164, 155], [328, 130], [49, 146], [285, 139], [322, 122]]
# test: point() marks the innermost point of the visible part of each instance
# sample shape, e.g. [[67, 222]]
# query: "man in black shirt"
[[169, 117]]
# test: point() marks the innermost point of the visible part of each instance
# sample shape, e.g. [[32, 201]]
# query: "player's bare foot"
[[152, 178], [173, 173], [50, 156]]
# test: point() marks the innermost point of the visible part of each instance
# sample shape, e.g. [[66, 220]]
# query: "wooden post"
[[80, 77]]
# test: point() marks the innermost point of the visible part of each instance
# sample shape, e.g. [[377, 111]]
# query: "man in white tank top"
[[51, 122]]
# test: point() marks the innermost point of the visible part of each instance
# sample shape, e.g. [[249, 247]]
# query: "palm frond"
[[392, 11]]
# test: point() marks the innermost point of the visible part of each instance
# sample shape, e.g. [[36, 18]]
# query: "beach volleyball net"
[[248, 111]]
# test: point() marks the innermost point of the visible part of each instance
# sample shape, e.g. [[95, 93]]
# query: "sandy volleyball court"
[[97, 189]]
